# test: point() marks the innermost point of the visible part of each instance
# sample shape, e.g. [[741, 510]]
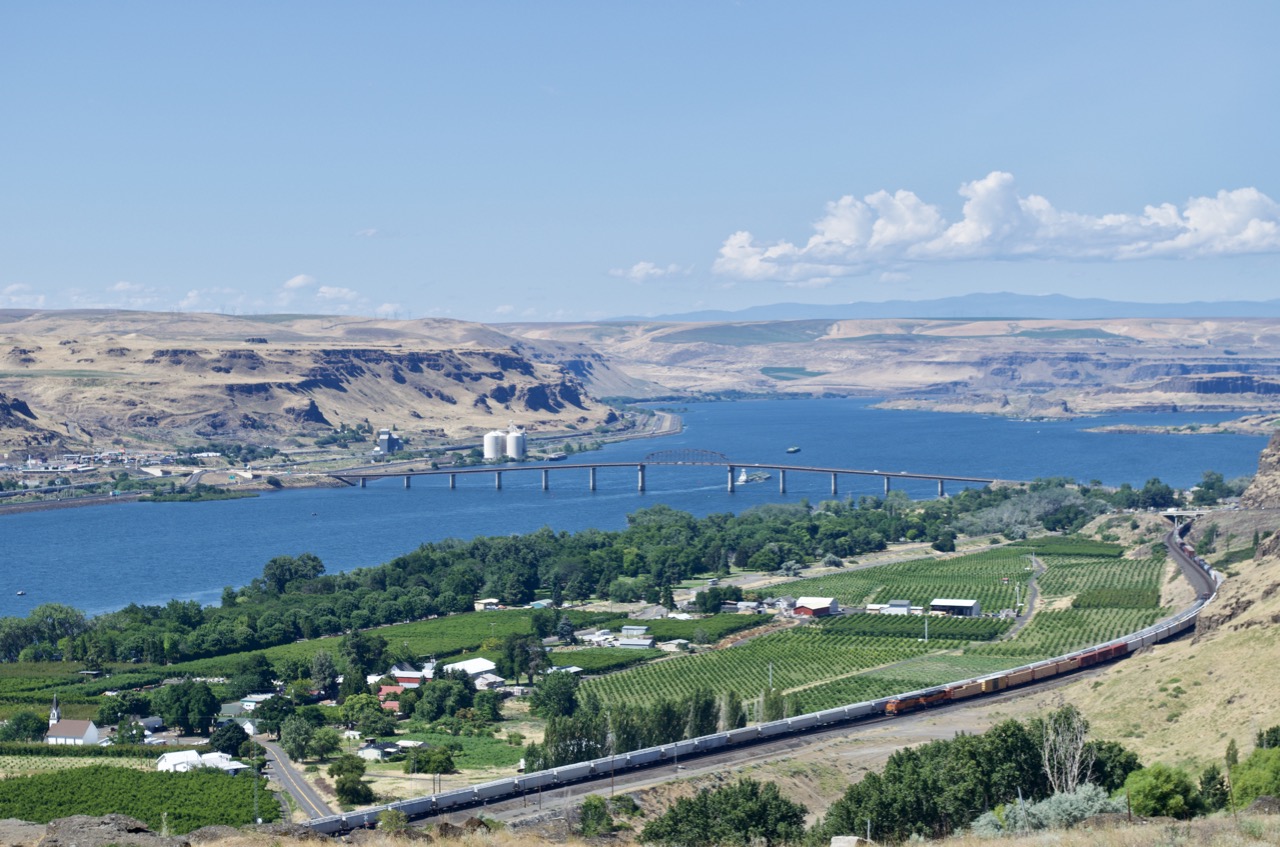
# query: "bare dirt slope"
[[158, 378], [1019, 367]]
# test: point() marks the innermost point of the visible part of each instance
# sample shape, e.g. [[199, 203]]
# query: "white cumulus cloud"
[[19, 295], [884, 230], [334, 292], [642, 271], [293, 283]]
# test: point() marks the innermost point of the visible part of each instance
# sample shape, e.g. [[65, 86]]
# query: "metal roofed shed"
[[817, 607], [959, 608]]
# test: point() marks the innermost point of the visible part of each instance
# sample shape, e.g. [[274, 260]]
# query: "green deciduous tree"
[[745, 813], [594, 819], [228, 738], [190, 706], [556, 695], [24, 726], [295, 736], [1162, 790], [325, 741]]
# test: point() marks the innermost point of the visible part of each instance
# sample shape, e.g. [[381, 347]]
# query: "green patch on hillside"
[[746, 335], [790, 373]]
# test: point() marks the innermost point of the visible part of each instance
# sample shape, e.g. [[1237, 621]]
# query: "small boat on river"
[[793, 449]]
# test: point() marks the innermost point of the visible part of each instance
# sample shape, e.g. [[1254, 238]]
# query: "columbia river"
[[102, 558]]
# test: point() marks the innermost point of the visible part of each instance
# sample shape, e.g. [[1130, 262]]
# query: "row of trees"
[[579, 728]]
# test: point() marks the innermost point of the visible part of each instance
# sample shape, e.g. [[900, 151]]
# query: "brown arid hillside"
[[1009, 367], [159, 379]]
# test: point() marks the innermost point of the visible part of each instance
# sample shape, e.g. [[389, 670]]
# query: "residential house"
[[376, 751]]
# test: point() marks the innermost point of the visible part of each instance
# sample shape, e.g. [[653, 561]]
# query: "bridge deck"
[[385, 473]]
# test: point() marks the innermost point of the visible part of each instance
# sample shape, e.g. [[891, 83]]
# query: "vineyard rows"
[[1053, 633], [179, 801], [989, 577], [1069, 575], [844, 655], [797, 657]]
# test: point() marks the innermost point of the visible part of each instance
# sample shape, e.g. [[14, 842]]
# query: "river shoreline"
[[664, 424]]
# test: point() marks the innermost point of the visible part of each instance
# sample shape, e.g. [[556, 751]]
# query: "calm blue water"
[[101, 558]]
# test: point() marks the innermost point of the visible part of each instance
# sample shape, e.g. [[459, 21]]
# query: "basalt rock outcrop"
[[177, 379], [1264, 491]]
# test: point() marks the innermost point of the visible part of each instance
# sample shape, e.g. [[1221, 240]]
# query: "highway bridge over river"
[[406, 470]]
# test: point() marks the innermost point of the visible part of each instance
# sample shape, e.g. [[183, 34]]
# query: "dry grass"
[[1209, 832]]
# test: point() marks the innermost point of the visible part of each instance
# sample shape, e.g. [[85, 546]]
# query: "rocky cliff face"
[[161, 380], [1264, 492]]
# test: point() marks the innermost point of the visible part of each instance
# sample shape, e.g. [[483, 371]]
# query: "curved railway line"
[[1025, 677]]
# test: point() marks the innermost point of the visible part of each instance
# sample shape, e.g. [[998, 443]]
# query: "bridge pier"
[[406, 480], [730, 479], [363, 482], [497, 480], [591, 479], [782, 481], [546, 479], [835, 489], [886, 486], [942, 491], [453, 481], [640, 487]]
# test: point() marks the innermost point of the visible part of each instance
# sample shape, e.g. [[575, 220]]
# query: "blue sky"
[[565, 161]]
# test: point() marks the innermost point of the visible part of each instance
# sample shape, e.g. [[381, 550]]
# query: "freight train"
[[1194, 567]]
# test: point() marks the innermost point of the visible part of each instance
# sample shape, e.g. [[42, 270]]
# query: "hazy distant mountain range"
[[995, 305]]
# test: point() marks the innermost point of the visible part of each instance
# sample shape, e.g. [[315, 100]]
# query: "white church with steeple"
[[79, 733]]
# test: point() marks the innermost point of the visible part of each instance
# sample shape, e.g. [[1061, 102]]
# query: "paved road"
[[304, 796]]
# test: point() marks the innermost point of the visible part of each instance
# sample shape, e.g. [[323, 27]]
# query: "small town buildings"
[[251, 701], [377, 751], [816, 607], [77, 733], [571, 669], [472, 667], [487, 604], [959, 608], [488, 682], [409, 675], [389, 697], [897, 607], [675, 645], [634, 631], [184, 761], [643, 643], [599, 637], [747, 607]]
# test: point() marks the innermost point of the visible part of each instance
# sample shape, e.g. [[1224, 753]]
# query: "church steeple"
[[55, 714]]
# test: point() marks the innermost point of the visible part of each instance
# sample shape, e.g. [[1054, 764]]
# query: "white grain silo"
[[495, 443], [516, 444]]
